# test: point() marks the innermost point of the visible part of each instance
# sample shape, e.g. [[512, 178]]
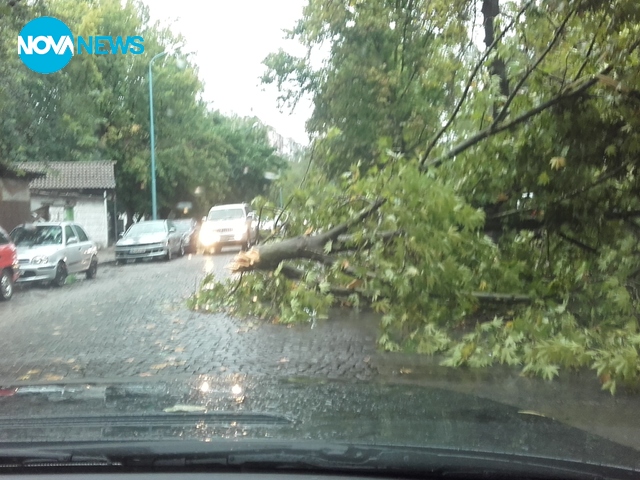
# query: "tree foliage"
[[98, 108], [512, 197]]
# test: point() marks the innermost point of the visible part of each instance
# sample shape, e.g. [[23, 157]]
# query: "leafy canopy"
[[527, 196], [98, 108]]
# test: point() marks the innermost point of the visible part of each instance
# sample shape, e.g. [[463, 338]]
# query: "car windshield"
[[331, 223], [145, 228], [33, 235], [226, 214], [183, 225]]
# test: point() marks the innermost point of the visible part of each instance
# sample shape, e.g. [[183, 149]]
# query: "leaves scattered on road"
[[29, 374]]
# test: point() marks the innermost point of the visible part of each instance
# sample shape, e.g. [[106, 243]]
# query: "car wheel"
[[93, 269], [61, 275], [6, 285], [217, 249]]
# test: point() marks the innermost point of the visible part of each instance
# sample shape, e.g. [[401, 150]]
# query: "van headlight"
[[208, 238]]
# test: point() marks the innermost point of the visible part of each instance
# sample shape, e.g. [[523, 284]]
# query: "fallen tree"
[[545, 161]]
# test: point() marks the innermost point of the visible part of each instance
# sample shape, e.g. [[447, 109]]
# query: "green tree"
[[98, 108], [534, 139], [384, 55], [249, 154], [33, 125]]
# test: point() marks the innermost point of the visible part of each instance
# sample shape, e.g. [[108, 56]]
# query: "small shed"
[[75, 191]]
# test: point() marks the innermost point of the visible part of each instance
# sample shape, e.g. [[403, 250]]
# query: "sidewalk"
[[107, 256]]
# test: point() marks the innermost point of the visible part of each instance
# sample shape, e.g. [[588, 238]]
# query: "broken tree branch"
[[470, 80], [495, 129], [578, 243], [296, 274], [269, 256], [516, 211], [333, 233], [505, 109], [347, 242], [589, 51]]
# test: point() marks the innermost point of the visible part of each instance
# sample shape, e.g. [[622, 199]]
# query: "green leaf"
[[543, 179]]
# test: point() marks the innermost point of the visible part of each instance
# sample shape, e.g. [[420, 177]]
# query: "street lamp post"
[[154, 200]]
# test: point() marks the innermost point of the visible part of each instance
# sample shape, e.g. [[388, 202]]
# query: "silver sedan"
[[49, 251], [150, 239]]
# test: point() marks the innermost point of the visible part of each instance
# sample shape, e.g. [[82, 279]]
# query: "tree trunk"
[[490, 10], [269, 256]]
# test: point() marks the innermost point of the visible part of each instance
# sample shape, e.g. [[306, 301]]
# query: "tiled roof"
[[71, 175], [9, 171]]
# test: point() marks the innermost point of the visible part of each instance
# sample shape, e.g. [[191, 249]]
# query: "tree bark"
[[269, 256], [490, 10]]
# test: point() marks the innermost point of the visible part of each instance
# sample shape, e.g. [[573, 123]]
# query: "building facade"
[[74, 191]]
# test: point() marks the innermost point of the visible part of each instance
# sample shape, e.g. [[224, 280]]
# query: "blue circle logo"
[[45, 45]]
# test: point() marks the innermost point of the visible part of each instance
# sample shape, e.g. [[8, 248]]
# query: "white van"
[[228, 225]]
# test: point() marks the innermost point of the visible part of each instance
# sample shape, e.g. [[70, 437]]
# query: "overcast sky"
[[230, 40]]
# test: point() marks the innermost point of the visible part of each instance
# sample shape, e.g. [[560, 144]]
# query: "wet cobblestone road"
[[131, 324], [132, 320]]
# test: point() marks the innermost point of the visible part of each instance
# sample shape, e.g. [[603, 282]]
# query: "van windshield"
[[226, 214]]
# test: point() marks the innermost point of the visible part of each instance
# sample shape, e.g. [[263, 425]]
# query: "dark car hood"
[[299, 409]]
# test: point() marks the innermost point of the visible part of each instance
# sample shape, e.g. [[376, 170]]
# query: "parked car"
[[233, 224], [50, 251], [9, 268], [150, 239], [188, 228]]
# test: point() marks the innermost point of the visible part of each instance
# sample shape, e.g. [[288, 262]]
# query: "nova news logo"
[[46, 45]]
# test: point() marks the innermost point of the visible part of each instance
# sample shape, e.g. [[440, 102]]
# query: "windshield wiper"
[[317, 458]]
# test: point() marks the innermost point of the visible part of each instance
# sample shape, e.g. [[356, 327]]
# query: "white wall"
[[89, 213]]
